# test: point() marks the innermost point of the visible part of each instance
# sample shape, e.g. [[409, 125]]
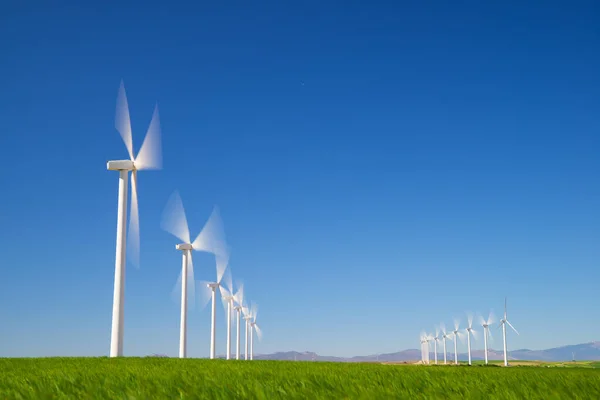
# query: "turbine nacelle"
[[212, 285], [120, 165], [184, 246]]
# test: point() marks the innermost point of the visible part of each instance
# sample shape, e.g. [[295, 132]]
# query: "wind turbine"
[[503, 323], [149, 157], [486, 333], [247, 318], [254, 326], [222, 260], [423, 344], [457, 334], [435, 342], [470, 331], [226, 290], [239, 299], [211, 239], [428, 338], [444, 337]]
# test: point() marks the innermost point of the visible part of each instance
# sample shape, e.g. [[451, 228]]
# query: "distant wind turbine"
[[444, 337], [221, 260], [226, 289], [149, 157], [470, 331], [254, 326], [503, 323], [436, 338], [211, 239], [239, 300], [487, 334], [457, 335]]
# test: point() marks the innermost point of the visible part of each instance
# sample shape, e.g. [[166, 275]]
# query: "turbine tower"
[[226, 290], [457, 334], [423, 343], [486, 333], [149, 157], [470, 331], [444, 337], [239, 300], [222, 260], [247, 318], [211, 239], [503, 323], [436, 338], [254, 326]]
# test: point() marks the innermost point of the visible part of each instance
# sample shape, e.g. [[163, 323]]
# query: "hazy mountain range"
[[584, 351]]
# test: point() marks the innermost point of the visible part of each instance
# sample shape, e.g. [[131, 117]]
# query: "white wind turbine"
[[503, 323], [425, 347], [457, 334], [436, 338], [428, 338], [247, 318], [444, 337], [222, 261], [238, 303], [149, 157], [470, 331], [423, 344], [254, 326], [486, 333], [211, 239], [226, 289]]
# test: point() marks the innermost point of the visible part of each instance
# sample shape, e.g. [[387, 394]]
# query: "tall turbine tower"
[[423, 344], [457, 334], [503, 323], [211, 239], [149, 157], [226, 290], [444, 337], [487, 334], [470, 331], [436, 338], [239, 301], [222, 261], [254, 326], [247, 318]]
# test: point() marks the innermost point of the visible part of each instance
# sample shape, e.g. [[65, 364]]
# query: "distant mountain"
[[585, 351]]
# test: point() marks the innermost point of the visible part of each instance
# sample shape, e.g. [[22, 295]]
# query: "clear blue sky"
[[436, 158]]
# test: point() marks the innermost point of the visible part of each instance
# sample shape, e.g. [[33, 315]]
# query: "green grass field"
[[164, 378]]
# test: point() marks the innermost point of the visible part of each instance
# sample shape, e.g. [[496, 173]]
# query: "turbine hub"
[[120, 165]]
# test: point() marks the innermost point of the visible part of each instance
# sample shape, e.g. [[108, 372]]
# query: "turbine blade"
[[228, 281], [443, 328], [122, 120], [475, 334], [254, 311], [224, 296], [222, 262], [133, 234], [513, 328], [212, 237], [490, 337], [258, 332], [470, 320], [150, 154], [456, 323], [491, 318], [173, 218], [204, 293], [505, 308], [239, 295], [176, 291]]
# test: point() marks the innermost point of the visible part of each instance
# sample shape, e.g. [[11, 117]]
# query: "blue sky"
[[380, 167]]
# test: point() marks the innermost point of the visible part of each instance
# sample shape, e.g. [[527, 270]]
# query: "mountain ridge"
[[582, 352]]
